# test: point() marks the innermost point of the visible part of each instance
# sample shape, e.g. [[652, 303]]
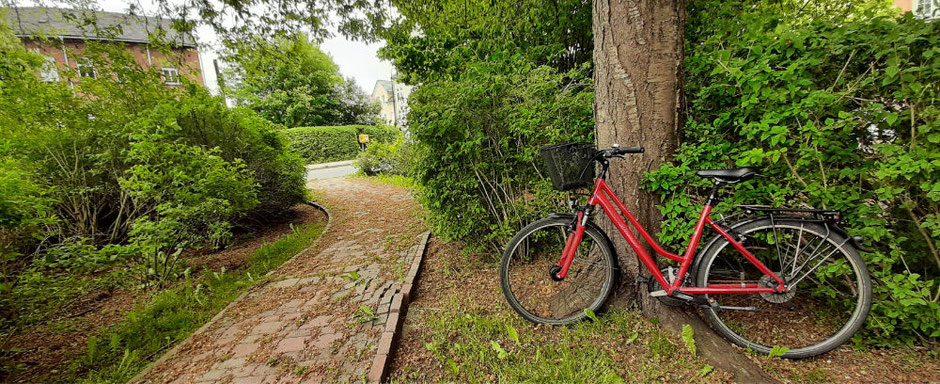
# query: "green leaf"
[[688, 336], [706, 369], [513, 334], [454, 368], [590, 314], [777, 351], [891, 118], [500, 352], [632, 338]]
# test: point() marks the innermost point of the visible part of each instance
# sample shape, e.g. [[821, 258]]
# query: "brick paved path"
[[320, 317]]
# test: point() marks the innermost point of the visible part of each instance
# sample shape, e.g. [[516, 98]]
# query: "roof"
[[387, 84], [109, 26]]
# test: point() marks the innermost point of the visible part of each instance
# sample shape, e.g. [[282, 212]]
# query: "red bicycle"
[[790, 279]]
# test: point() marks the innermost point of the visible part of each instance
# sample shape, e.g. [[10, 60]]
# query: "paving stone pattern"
[[320, 317]]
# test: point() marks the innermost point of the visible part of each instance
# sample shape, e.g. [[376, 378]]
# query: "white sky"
[[355, 59], [358, 60]]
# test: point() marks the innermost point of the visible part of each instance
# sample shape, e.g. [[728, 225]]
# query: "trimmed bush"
[[395, 158], [324, 144]]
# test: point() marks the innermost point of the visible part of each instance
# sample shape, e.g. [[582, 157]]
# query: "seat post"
[[713, 197]]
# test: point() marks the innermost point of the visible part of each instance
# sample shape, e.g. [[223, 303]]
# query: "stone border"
[[140, 376], [396, 317]]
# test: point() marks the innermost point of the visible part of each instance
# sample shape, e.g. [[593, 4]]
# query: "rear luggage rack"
[[826, 215], [829, 218]]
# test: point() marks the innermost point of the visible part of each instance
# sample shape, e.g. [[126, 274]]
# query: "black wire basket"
[[570, 165]]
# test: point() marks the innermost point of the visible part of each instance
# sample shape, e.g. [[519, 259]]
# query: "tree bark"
[[638, 56], [638, 65]]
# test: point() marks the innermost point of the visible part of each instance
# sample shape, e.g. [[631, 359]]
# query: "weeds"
[[365, 314], [475, 343], [688, 337]]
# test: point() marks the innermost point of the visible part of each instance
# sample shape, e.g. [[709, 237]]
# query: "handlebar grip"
[[626, 150]]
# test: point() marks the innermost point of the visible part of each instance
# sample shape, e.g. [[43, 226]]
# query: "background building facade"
[[62, 36]]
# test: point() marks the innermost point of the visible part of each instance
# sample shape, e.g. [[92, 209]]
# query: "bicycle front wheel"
[[525, 272], [829, 296]]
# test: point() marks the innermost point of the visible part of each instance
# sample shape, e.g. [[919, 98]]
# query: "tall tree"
[[638, 57], [290, 81]]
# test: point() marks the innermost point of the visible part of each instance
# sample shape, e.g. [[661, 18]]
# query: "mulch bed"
[[46, 350]]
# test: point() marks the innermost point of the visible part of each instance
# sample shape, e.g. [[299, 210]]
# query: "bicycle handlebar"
[[618, 151]]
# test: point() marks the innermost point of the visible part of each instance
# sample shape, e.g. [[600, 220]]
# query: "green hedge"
[[323, 144]]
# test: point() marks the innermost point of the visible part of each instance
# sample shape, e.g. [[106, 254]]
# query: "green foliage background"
[[121, 173], [840, 111], [499, 80], [398, 158], [836, 101], [324, 144]]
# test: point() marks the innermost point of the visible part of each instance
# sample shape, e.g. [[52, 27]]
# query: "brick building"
[[60, 35]]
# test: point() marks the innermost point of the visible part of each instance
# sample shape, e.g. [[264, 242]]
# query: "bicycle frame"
[[602, 195]]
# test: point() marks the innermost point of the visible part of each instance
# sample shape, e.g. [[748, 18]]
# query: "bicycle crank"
[[659, 292]]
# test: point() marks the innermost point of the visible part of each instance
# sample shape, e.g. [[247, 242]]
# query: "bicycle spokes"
[[528, 269], [823, 289]]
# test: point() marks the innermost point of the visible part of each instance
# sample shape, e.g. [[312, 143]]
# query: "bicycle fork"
[[571, 246]]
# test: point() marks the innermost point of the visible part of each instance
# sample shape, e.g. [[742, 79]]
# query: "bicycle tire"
[[607, 252], [855, 320]]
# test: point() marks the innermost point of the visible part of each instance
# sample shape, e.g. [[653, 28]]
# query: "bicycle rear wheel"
[[830, 292], [527, 283]]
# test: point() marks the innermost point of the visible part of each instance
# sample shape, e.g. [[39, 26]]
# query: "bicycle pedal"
[[659, 293], [641, 279]]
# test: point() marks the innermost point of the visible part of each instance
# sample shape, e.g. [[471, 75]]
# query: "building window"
[[171, 76], [86, 69], [927, 9], [49, 71]]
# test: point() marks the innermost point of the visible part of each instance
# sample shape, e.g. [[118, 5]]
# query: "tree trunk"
[[638, 58], [638, 55]]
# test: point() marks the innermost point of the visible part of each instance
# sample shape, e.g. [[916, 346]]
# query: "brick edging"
[[396, 317], [140, 376]]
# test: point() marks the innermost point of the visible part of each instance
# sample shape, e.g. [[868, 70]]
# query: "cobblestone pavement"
[[320, 316]]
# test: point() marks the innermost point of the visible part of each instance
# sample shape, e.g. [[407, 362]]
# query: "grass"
[[396, 180], [118, 353], [475, 344]]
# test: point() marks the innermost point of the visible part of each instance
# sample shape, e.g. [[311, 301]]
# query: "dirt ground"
[[450, 274], [447, 270], [48, 348]]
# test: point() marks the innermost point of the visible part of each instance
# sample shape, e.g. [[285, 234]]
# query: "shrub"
[[839, 116], [324, 144], [113, 157], [394, 158], [239, 137], [482, 174], [25, 212]]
